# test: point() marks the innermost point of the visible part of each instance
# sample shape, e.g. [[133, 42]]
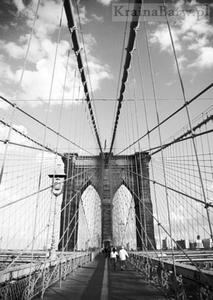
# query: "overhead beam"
[[130, 47], [73, 32]]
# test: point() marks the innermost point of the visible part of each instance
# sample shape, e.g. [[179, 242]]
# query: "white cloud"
[[192, 39], [39, 67], [190, 23], [6, 72], [162, 37], [98, 72], [14, 50], [97, 18], [19, 5], [83, 15], [105, 2], [205, 58], [15, 137]]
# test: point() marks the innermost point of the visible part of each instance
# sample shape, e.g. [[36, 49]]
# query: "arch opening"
[[89, 220], [123, 219]]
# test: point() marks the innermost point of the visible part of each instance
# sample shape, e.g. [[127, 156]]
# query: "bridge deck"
[[98, 281]]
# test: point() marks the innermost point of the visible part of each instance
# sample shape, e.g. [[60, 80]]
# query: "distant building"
[[207, 243], [164, 244]]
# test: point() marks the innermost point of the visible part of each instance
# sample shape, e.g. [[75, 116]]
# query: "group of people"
[[121, 255]]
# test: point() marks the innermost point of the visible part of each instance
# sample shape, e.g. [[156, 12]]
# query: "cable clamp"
[[193, 133], [6, 141], [73, 28], [77, 52], [81, 70], [159, 224], [207, 205]]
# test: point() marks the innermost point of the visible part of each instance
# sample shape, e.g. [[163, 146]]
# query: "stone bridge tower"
[[106, 174]]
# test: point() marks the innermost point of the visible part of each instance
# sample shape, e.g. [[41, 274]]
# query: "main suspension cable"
[[129, 49], [76, 48]]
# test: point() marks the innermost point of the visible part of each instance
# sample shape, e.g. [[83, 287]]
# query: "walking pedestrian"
[[123, 256], [113, 257]]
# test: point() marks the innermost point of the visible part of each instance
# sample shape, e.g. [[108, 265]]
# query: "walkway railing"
[[188, 283], [27, 281]]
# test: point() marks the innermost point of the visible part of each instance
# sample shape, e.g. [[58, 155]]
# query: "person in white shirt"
[[123, 256], [113, 258]]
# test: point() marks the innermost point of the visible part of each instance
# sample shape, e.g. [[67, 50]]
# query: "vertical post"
[[53, 245]]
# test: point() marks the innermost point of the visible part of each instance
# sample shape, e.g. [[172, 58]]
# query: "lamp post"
[[57, 188]]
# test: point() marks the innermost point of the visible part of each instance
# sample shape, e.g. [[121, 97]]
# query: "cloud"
[[105, 2], [19, 5], [15, 137], [98, 18], [204, 59], [98, 72], [6, 72], [14, 50], [162, 37], [83, 15], [39, 67], [192, 39]]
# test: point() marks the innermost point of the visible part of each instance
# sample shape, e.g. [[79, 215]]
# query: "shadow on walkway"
[[128, 285], [86, 284], [94, 287]]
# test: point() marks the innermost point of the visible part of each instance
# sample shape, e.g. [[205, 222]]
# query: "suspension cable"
[[43, 124], [189, 119], [168, 117], [130, 47], [76, 48], [174, 190]]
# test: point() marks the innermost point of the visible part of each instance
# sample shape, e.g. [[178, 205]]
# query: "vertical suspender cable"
[[160, 139], [19, 85], [73, 32], [148, 136], [190, 123], [130, 46]]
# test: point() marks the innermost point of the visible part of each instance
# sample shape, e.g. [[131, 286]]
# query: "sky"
[[103, 40], [37, 74]]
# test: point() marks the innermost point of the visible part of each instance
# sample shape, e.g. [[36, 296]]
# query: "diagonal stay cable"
[[37, 192], [167, 232], [41, 123], [168, 117], [130, 47], [28, 138], [76, 48], [174, 190], [176, 141], [185, 134]]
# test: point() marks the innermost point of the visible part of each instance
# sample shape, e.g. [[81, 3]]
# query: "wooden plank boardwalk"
[[98, 281]]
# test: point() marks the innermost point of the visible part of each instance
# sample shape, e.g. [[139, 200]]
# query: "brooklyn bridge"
[[106, 142]]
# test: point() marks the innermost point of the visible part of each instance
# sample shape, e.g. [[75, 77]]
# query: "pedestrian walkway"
[[98, 281]]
